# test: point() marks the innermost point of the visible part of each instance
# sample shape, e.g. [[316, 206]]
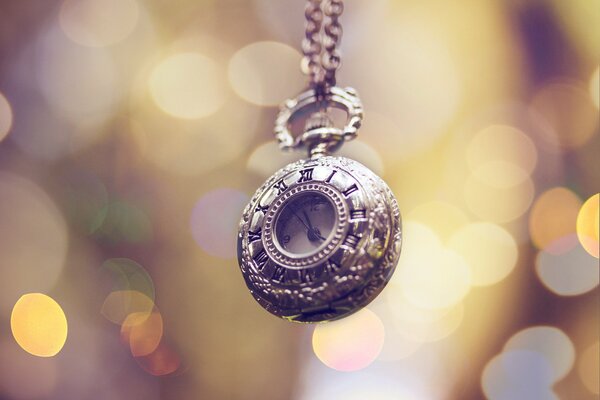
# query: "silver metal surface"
[[320, 44], [347, 271], [319, 139]]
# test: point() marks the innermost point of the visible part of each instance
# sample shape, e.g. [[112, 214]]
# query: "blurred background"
[[132, 134]]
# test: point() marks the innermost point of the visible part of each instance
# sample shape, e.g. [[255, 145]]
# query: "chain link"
[[311, 45], [322, 38]]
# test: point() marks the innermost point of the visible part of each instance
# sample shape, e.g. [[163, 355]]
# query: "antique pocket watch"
[[321, 237]]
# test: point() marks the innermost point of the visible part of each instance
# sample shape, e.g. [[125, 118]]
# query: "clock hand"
[[308, 220], [314, 230], [308, 228]]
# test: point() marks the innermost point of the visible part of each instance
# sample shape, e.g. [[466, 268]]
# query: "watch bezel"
[[307, 260]]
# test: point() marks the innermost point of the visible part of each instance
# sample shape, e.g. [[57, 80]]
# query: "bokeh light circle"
[[161, 362], [67, 73], [98, 23], [550, 342], [498, 204], [39, 325], [553, 216], [349, 344], [266, 73], [188, 85], [142, 332], [587, 225], [589, 368], [119, 304], [500, 174], [440, 279], [489, 250], [398, 346], [193, 147], [214, 221], [434, 325], [566, 269], [268, 158], [505, 144], [441, 217], [123, 221], [430, 275], [381, 132], [569, 111], [518, 375], [425, 90], [127, 274], [34, 241], [595, 87], [6, 117]]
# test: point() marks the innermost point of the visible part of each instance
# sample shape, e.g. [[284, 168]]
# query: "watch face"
[[305, 224]]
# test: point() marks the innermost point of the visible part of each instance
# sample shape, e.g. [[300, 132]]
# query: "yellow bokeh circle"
[[587, 225], [430, 275], [595, 87], [489, 250], [39, 325], [265, 73], [188, 85], [589, 368], [505, 144], [553, 216]]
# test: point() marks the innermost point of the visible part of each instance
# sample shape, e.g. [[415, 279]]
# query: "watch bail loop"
[[320, 137]]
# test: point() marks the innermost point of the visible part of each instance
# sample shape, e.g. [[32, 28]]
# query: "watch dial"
[[305, 223]]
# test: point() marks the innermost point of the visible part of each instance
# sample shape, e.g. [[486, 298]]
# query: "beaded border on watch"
[[312, 259]]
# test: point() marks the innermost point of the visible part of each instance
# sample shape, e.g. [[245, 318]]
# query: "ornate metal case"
[[351, 267]]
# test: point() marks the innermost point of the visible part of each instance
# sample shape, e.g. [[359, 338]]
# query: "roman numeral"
[[350, 190], [262, 209], [306, 175], [254, 236], [281, 187], [279, 274], [358, 214], [261, 259], [351, 241], [330, 176]]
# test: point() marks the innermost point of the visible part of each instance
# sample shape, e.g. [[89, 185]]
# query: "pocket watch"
[[321, 237]]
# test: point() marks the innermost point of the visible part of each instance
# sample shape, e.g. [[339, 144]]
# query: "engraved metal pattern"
[[344, 98], [353, 271]]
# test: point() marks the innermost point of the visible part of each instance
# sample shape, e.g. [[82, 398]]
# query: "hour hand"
[[317, 233]]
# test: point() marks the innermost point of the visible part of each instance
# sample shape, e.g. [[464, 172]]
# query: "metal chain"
[[322, 38], [311, 44]]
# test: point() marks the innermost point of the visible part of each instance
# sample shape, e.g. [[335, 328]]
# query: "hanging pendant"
[[322, 237]]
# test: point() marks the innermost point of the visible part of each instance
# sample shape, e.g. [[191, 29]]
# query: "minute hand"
[[308, 228], [313, 230]]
